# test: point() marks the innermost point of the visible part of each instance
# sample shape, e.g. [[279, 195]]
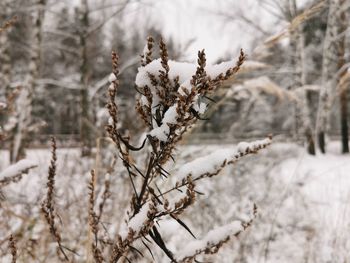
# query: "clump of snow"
[[242, 147], [11, 123], [161, 133], [206, 164], [136, 223], [18, 168], [212, 238], [184, 71], [200, 107], [3, 105], [211, 163], [111, 87], [112, 77], [110, 121]]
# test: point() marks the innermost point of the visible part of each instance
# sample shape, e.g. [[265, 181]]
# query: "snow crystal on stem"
[[112, 77]]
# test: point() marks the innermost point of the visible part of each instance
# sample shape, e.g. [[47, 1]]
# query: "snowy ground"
[[303, 201]]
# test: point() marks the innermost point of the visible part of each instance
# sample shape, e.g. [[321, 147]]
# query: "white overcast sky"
[[196, 19], [188, 19]]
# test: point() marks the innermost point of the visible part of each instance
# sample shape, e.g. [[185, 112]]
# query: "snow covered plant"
[[172, 97]]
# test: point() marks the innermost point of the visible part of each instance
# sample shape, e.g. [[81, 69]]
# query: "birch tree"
[[292, 61], [25, 100], [5, 67], [86, 31], [85, 134], [302, 110], [343, 81], [332, 60]]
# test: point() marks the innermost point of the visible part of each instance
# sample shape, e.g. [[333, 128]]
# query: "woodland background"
[[55, 61]]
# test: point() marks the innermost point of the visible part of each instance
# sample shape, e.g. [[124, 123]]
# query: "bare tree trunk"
[[25, 101], [295, 82], [304, 104], [5, 69], [344, 121], [85, 130], [5, 63], [329, 69], [302, 107], [343, 86]]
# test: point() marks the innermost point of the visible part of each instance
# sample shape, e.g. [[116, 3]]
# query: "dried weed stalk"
[[13, 248], [93, 220], [171, 100], [169, 106], [48, 205]]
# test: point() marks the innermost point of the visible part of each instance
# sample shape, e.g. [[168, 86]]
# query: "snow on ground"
[[303, 200], [32, 186], [324, 184]]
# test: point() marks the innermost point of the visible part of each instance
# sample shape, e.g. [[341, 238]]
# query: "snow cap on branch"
[[209, 165]]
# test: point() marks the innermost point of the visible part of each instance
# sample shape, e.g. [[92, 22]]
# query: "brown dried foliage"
[[160, 152], [145, 200], [93, 220], [48, 205], [147, 57], [13, 248], [8, 24]]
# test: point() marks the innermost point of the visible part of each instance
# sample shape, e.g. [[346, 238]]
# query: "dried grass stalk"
[[93, 220], [48, 205], [13, 248]]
